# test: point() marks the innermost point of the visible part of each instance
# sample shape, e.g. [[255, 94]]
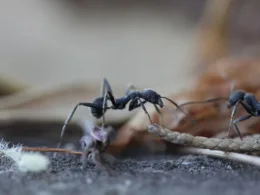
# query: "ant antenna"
[[204, 101], [177, 106], [232, 84]]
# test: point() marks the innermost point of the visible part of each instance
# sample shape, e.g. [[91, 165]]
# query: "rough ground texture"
[[137, 175]]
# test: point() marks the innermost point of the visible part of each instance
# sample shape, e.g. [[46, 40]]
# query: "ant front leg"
[[106, 92], [71, 115], [242, 118], [160, 115], [232, 117], [137, 102], [142, 104]]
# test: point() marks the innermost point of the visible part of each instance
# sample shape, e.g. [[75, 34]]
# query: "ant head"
[[152, 96], [235, 97]]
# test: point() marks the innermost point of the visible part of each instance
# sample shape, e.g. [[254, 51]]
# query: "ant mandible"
[[247, 100]]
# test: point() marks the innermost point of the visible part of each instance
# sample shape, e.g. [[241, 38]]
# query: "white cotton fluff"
[[24, 161], [33, 162]]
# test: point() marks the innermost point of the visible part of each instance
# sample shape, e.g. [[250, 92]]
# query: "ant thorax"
[[133, 94]]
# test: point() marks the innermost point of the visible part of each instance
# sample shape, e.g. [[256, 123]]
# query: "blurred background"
[[143, 42], [53, 54]]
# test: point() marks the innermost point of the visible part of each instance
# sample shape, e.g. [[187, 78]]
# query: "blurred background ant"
[[247, 100]]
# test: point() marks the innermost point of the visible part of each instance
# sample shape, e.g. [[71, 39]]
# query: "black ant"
[[135, 97], [247, 100]]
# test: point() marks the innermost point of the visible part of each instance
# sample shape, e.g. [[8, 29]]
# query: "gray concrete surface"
[[179, 175]]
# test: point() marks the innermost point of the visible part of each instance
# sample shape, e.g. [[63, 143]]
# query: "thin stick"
[[244, 158], [50, 150]]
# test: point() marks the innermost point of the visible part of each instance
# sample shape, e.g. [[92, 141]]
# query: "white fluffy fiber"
[[24, 161]]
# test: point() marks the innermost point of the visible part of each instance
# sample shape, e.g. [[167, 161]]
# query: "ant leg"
[[175, 104], [232, 117], [106, 91], [242, 118], [104, 109], [109, 91], [160, 115], [135, 104], [138, 102], [71, 115], [105, 87], [107, 96], [142, 104], [99, 161]]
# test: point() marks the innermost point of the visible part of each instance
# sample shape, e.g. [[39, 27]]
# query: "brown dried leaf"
[[53, 104]]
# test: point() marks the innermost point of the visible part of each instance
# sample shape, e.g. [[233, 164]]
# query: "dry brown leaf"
[[54, 103]]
